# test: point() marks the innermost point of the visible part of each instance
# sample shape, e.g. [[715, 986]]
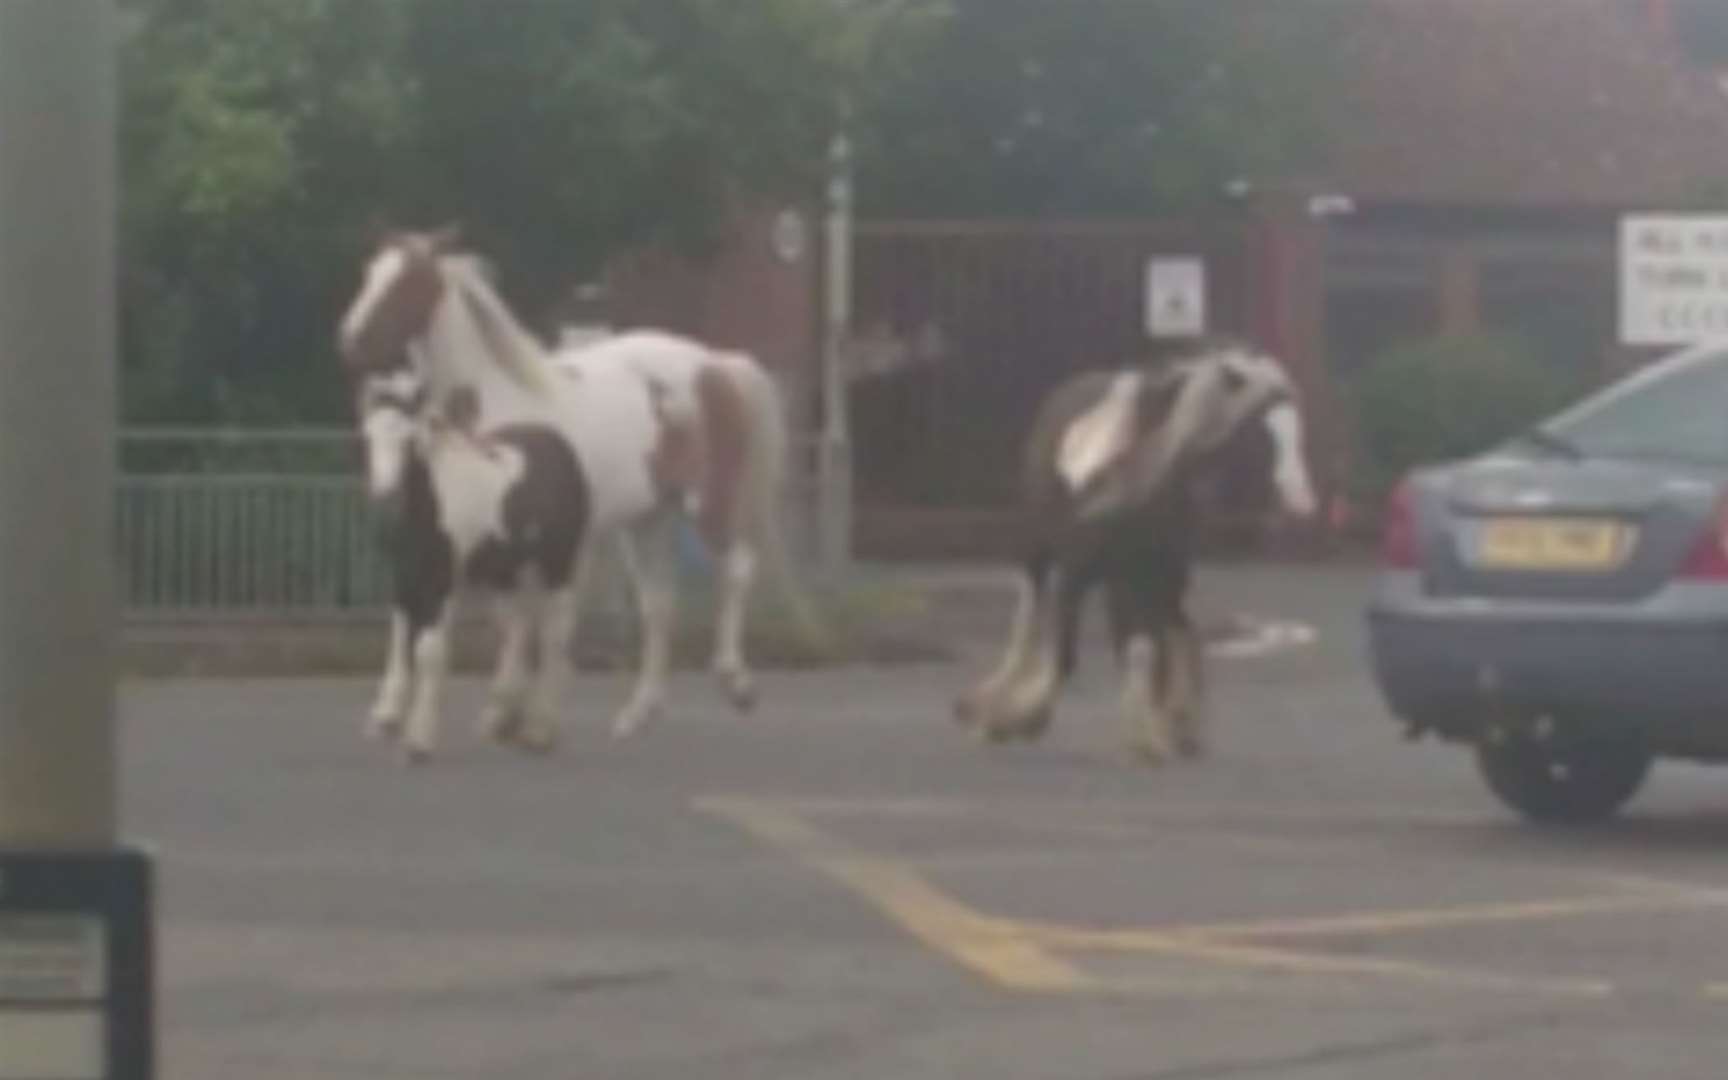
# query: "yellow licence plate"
[[1554, 544]]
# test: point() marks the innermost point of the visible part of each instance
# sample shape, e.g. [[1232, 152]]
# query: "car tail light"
[[1709, 556], [1398, 547]]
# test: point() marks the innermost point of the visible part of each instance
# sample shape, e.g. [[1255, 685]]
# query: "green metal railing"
[[245, 521], [265, 523]]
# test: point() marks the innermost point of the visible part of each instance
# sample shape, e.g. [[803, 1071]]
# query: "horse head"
[[392, 408], [1145, 428], [1226, 388], [399, 292]]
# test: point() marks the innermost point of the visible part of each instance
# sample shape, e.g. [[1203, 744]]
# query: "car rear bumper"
[[1660, 665]]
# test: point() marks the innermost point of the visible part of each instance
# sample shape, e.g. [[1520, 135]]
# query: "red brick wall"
[[745, 296]]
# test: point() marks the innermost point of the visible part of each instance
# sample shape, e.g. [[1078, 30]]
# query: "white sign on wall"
[[53, 977], [1673, 279], [1175, 296]]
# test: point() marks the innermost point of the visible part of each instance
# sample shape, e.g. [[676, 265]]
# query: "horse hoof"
[[630, 722], [1029, 727], [741, 692], [383, 728], [1191, 748], [979, 705], [536, 743], [1151, 756], [414, 757], [1033, 727], [502, 724]]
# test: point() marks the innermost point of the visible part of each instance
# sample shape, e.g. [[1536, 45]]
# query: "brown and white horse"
[[502, 467], [1108, 499]]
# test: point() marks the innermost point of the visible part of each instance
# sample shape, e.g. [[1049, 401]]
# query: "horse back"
[[700, 425]]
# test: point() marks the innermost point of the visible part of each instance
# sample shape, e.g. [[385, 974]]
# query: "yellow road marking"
[[1244, 954], [1663, 886], [1366, 923], [996, 949], [1023, 954], [1147, 815]]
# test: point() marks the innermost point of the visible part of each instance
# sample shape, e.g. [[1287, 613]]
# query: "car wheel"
[[1562, 781]]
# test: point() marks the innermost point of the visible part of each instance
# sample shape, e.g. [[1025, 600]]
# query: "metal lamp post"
[[834, 467]]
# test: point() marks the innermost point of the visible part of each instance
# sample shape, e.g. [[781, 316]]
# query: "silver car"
[[1561, 603]]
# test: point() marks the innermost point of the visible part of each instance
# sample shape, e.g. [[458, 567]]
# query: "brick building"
[[1481, 154]]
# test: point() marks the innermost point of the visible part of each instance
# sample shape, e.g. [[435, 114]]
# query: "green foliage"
[[1447, 397], [1101, 107], [254, 132], [261, 136]]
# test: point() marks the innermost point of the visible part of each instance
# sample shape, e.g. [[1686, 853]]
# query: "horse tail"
[[761, 491]]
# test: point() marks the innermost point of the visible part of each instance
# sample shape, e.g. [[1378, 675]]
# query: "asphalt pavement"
[[844, 885]]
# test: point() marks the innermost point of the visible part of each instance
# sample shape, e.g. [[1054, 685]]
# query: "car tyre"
[[1562, 781]]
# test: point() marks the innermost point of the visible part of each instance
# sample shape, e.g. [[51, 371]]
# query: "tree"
[[261, 135], [1100, 107], [250, 131]]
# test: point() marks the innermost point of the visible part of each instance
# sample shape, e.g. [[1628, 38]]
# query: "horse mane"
[[509, 344], [1180, 428]]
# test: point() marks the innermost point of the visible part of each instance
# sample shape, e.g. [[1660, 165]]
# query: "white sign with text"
[[1673, 279]]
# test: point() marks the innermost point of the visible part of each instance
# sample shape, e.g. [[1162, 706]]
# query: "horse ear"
[[378, 232], [447, 238]]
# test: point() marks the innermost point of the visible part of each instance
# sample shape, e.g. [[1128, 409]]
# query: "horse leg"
[[977, 703], [1070, 603], [431, 651], [1143, 670], [738, 577], [1188, 687], [555, 626], [1027, 701], [391, 704], [1069, 584], [576, 599], [518, 611], [559, 621], [651, 569]]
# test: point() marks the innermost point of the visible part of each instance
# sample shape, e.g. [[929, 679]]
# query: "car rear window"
[[1677, 413]]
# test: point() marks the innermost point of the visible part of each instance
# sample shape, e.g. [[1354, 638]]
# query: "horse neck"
[[504, 341], [1172, 446], [456, 353]]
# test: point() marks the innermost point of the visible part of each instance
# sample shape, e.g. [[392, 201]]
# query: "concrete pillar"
[[57, 399]]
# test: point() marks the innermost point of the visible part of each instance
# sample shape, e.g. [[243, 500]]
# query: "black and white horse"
[[504, 468], [1108, 499]]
